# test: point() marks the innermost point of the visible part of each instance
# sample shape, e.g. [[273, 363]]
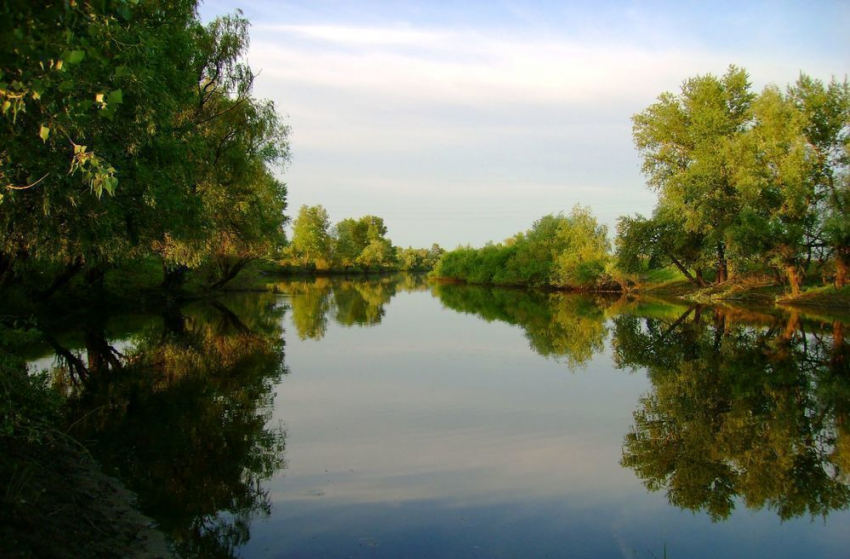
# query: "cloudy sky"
[[464, 121]]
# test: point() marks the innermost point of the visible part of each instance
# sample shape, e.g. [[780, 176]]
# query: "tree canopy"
[[129, 129], [758, 180]]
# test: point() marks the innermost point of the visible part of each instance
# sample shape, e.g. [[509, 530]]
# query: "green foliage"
[[311, 239], [316, 301], [29, 408], [352, 245], [755, 179], [129, 129], [419, 259], [561, 251], [739, 413], [566, 327]]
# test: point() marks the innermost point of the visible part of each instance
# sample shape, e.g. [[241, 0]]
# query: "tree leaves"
[[74, 56]]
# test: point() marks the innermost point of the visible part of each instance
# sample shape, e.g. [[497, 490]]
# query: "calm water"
[[392, 418]]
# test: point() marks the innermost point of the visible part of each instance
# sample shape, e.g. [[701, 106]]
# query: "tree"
[[685, 143], [136, 90], [311, 239], [774, 184], [353, 236], [85, 88], [826, 125], [738, 413], [581, 263], [656, 243]]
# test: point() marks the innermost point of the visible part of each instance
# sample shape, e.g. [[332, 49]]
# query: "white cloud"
[[377, 112]]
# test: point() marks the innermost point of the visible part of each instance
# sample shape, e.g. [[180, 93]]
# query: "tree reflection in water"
[[350, 302], [743, 406], [569, 327], [182, 417]]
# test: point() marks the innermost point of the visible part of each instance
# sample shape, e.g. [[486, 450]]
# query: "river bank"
[[59, 504]]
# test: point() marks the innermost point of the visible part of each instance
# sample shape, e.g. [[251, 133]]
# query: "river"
[[392, 417]]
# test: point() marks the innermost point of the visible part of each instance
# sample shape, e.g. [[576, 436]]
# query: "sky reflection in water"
[[432, 433], [393, 418]]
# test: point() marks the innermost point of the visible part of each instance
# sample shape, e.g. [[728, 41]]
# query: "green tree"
[[826, 122], [585, 253], [311, 239], [354, 236], [141, 91], [657, 242], [775, 187], [685, 142], [756, 411]]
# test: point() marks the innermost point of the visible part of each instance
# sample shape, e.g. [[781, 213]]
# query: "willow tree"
[[685, 141], [774, 183], [84, 89], [658, 242], [354, 236], [127, 126], [826, 125]]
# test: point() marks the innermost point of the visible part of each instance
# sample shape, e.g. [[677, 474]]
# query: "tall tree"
[[685, 143], [137, 91], [774, 183], [311, 237], [826, 125]]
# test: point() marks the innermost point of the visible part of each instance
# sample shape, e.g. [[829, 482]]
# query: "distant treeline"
[[352, 245], [747, 184], [562, 251]]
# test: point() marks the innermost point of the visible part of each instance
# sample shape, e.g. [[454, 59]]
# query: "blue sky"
[[463, 122]]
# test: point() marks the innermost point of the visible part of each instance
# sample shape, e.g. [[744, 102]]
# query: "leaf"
[[44, 132], [109, 183], [116, 97], [76, 56]]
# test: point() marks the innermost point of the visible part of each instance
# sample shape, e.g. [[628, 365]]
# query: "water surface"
[[394, 418]]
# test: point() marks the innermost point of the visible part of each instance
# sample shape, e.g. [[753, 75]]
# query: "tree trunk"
[[94, 276], [230, 272], [696, 281], [791, 326], [76, 368], [102, 357], [6, 262], [64, 277], [722, 270], [792, 272], [839, 351], [719, 328], [173, 277], [842, 263]]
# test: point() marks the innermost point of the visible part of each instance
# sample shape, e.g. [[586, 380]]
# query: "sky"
[[463, 122]]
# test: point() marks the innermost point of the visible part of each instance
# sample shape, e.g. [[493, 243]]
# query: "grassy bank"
[[756, 290]]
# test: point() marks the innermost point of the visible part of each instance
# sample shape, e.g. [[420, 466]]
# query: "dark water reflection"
[[181, 415], [419, 424]]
